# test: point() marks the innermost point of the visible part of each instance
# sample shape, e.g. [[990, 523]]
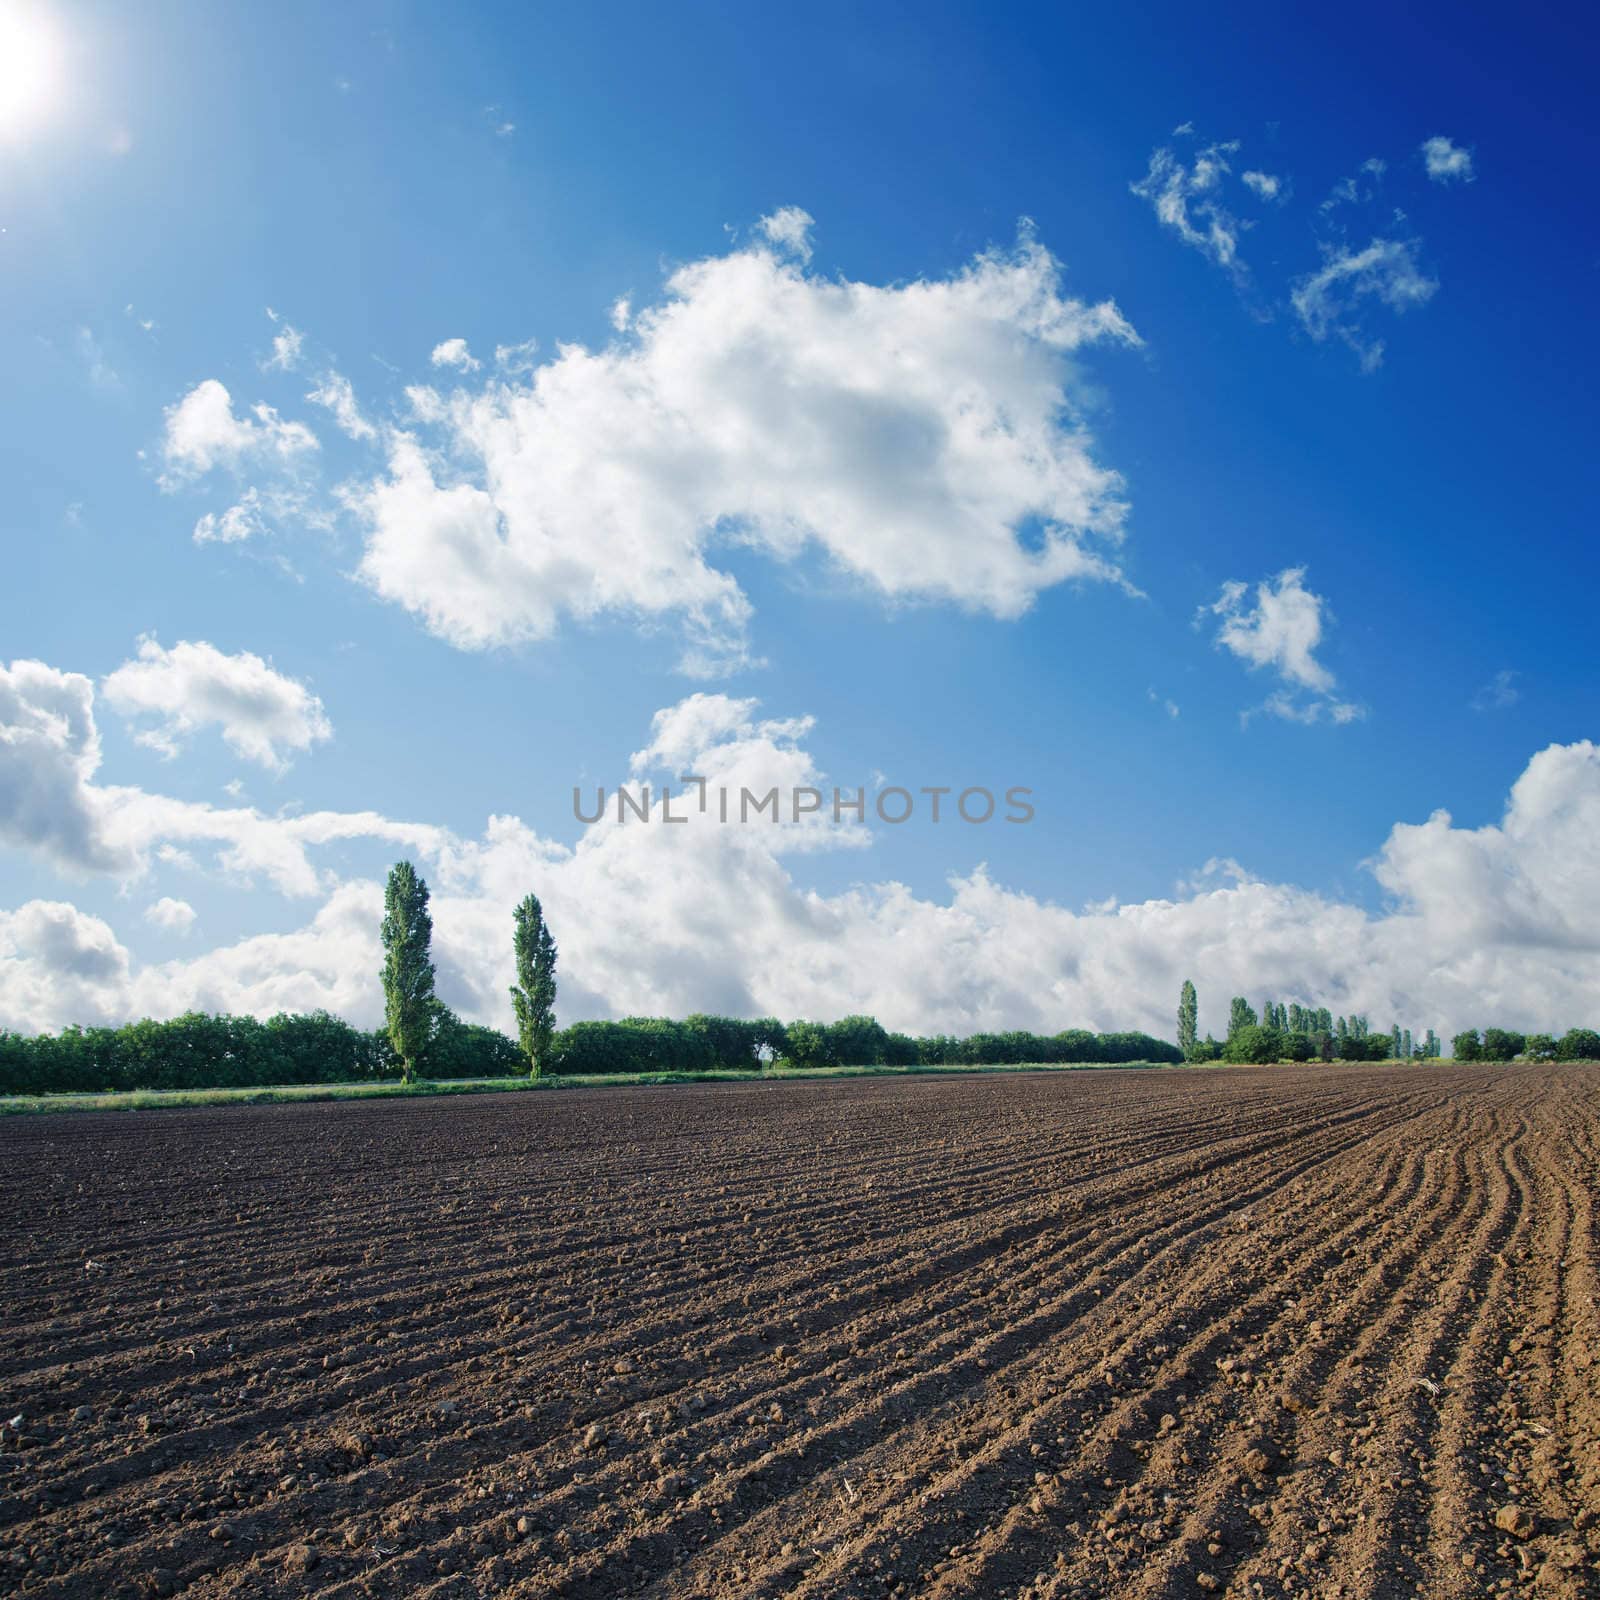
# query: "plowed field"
[[1291, 1331]]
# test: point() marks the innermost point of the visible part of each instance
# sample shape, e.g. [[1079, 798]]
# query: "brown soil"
[[1321, 1331]]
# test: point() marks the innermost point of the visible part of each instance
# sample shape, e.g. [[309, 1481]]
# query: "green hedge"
[[197, 1051]]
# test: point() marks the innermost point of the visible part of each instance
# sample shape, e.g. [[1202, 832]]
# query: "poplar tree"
[[409, 1008], [1394, 1039], [533, 995], [1240, 1015], [1188, 1020]]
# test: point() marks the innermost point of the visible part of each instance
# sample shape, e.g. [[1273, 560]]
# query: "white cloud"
[[1264, 185], [336, 393], [60, 965], [517, 359], [49, 752], [621, 314], [1493, 924], [286, 347], [1331, 299], [790, 229], [203, 433], [171, 916], [1186, 198], [102, 375], [454, 353], [239, 522], [1498, 693], [923, 436], [52, 804], [263, 715], [1447, 162], [1281, 631]]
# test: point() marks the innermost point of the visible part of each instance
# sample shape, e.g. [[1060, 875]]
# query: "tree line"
[[698, 1043], [1292, 1032], [1289, 1031], [422, 1037]]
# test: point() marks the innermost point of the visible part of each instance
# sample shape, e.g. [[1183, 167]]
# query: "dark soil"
[[1323, 1331]]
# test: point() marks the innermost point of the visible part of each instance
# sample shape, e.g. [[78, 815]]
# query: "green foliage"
[[1467, 1046], [533, 995], [1540, 1047], [467, 1050], [1500, 1044], [900, 1050], [410, 1012], [200, 1052], [808, 1045], [1188, 1020], [636, 1044], [1251, 1042], [1579, 1044], [1296, 1047], [1240, 1015], [735, 1043], [856, 1041]]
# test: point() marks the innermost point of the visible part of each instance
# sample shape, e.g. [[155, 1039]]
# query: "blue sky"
[[1381, 390]]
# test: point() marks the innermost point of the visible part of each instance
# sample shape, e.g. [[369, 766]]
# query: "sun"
[[30, 62]]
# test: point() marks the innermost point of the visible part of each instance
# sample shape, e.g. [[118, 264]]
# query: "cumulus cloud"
[[262, 715], [924, 437], [1281, 631], [49, 752], [171, 916], [790, 229], [1264, 185], [1331, 300], [1495, 923], [202, 433], [1186, 197], [58, 964], [454, 353], [1447, 162], [52, 803]]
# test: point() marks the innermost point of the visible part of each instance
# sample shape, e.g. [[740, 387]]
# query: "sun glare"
[[29, 66]]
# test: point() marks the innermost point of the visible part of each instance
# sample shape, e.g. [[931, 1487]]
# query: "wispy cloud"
[[1186, 197], [1498, 693], [1331, 300], [286, 346]]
